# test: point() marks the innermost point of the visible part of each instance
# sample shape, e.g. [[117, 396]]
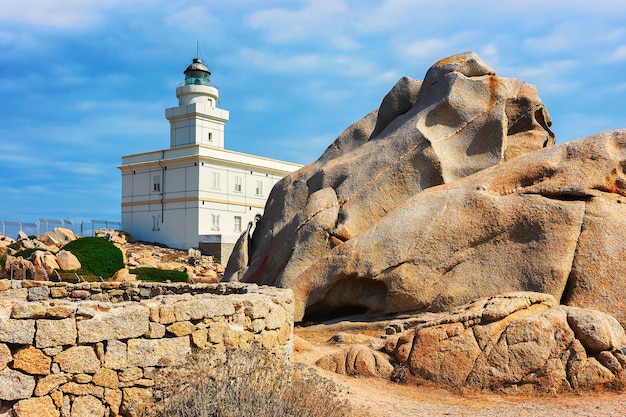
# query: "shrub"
[[247, 383], [159, 275], [97, 255], [3, 260]]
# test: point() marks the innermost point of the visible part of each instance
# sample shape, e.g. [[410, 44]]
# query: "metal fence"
[[85, 228]]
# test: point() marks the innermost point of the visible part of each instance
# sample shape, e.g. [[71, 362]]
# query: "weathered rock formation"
[[519, 342], [450, 192]]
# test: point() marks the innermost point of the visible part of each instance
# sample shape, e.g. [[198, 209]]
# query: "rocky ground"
[[384, 398]]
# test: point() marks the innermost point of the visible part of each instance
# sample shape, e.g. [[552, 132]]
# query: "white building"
[[196, 193]]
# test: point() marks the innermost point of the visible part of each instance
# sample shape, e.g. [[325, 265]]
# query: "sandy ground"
[[384, 398]]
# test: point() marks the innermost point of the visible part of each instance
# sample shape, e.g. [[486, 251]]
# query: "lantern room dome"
[[197, 73]]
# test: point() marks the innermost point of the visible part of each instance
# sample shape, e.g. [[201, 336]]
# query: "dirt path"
[[387, 399]]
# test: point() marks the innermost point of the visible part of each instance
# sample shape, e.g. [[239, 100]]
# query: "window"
[[156, 222], [238, 224], [156, 184], [238, 184], [210, 136], [216, 180], [215, 222], [259, 187]]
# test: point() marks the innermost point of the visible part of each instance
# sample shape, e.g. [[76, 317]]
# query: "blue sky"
[[84, 82]]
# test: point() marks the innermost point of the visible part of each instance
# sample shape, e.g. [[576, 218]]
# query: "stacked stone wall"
[[97, 348]]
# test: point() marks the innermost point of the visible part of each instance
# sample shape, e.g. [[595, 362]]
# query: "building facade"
[[196, 193]]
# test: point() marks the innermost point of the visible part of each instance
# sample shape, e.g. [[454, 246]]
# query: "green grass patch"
[[3, 260], [26, 253], [159, 275], [97, 256]]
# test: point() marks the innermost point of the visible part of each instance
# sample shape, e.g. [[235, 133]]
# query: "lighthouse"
[[197, 120], [196, 193]]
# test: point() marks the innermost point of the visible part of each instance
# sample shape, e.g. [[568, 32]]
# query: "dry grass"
[[248, 383]]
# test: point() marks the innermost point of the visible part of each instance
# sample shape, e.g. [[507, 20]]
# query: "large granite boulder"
[[451, 191]]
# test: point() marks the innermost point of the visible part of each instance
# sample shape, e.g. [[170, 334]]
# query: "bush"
[[247, 383], [97, 255], [159, 275]]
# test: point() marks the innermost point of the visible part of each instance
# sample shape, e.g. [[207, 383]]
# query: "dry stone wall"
[[97, 348]]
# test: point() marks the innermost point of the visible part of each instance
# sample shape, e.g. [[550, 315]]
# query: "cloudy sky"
[[84, 82]]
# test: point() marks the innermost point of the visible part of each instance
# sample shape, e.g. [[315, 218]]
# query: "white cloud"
[[316, 20], [66, 14], [426, 48], [618, 54], [344, 65], [196, 19]]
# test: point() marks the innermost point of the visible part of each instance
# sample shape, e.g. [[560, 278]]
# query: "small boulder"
[[58, 237], [597, 331], [123, 275], [67, 261], [357, 360], [44, 261]]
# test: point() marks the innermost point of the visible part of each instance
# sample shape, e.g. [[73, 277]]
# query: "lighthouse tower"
[[197, 120], [196, 193]]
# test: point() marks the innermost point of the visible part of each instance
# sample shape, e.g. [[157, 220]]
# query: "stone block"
[[38, 293], [37, 406], [199, 338], [158, 352], [203, 307], [276, 318], [26, 310], [130, 374], [21, 332], [14, 294], [57, 398], [32, 361], [257, 325], [82, 378], [15, 385], [284, 334], [269, 339], [5, 356], [87, 406], [106, 378], [217, 332], [166, 314], [257, 308], [78, 359], [113, 398], [181, 328], [135, 401], [48, 383], [74, 388], [51, 333], [116, 355], [58, 292], [155, 330], [118, 323]]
